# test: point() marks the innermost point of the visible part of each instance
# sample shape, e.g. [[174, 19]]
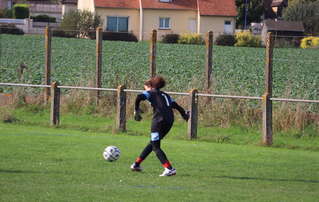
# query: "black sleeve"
[[139, 98], [179, 108]]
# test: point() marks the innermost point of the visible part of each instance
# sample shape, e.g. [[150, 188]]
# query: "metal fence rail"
[[171, 93], [294, 100], [25, 85]]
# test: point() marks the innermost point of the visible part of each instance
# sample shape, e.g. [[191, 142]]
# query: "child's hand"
[[137, 115], [186, 115]]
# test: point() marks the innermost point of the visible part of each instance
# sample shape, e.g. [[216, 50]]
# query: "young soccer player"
[[163, 118]]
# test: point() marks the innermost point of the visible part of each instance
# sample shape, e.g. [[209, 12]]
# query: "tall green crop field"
[[236, 70]]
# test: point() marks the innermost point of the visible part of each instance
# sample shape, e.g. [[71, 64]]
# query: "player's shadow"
[[17, 171], [25, 171], [268, 179]]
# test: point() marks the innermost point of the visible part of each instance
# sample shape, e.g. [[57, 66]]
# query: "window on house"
[[164, 23], [117, 24], [227, 22]]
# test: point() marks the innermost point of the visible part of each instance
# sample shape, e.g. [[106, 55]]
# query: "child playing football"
[[163, 118]]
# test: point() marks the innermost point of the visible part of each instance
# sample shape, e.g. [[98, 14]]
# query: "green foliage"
[[254, 14], [114, 36], [6, 114], [237, 70], [10, 29], [70, 22], [170, 38], [21, 11], [79, 23], [191, 39], [247, 39], [310, 42], [306, 11], [6, 13], [43, 18], [225, 40]]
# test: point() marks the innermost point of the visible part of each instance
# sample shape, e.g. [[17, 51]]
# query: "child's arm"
[[181, 110], [138, 100]]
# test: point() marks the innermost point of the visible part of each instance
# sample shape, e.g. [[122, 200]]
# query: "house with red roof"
[[167, 16]]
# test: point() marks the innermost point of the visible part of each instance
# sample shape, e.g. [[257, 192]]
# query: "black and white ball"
[[111, 153]]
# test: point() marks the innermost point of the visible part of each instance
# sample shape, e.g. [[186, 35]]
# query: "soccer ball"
[[111, 153]]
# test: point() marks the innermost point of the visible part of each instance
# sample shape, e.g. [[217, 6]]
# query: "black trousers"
[[159, 130]]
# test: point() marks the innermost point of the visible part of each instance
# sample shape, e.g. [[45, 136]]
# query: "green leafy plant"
[[10, 29], [170, 38], [225, 40], [43, 18], [310, 42], [21, 11], [191, 39], [247, 39], [6, 13]]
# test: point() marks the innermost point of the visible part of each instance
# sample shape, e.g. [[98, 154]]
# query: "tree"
[[78, 22], [268, 12], [306, 11], [254, 12]]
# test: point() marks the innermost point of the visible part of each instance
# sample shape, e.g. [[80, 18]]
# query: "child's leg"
[[159, 130], [147, 150], [161, 154]]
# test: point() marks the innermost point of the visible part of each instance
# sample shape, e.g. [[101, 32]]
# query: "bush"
[[62, 33], [225, 40], [191, 39], [115, 36], [247, 39], [10, 29], [43, 18], [310, 42], [6, 13], [170, 38], [82, 21], [21, 11]]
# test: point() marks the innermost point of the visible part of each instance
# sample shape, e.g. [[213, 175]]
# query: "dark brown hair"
[[158, 82], [148, 83]]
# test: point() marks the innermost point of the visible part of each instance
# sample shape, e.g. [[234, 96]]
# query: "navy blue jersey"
[[162, 105]]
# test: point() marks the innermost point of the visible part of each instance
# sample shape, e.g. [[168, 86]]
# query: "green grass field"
[[47, 164]]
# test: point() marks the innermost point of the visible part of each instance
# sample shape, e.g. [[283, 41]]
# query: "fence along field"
[[237, 70]]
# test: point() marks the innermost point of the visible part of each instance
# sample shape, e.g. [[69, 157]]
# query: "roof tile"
[[206, 7], [217, 7]]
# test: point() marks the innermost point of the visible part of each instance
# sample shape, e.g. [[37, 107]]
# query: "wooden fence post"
[[153, 54], [47, 70], [193, 119], [121, 109], [209, 60], [55, 104], [267, 103], [98, 76]]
